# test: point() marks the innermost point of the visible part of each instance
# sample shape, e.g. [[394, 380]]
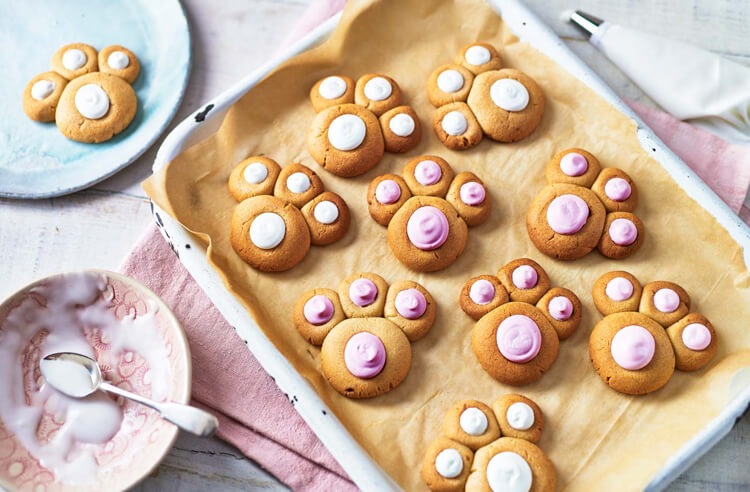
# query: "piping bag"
[[693, 84]]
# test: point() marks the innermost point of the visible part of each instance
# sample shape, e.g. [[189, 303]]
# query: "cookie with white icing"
[[254, 175], [377, 92], [332, 91], [471, 423], [456, 126], [479, 57], [512, 464], [401, 128], [519, 417], [41, 96], [449, 83], [446, 465], [74, 60], [120, 61]]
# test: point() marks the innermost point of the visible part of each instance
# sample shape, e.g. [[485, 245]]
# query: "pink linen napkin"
[[227, 380]]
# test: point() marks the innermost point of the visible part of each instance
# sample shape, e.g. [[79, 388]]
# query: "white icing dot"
[[477, 55], [402, 125], [454, 123], [473, 421], [450, 81], [42, 89], [91, 101], [326, 212], [378, 89], [509, 94], [449, 463], [520, 416], [267, 230], [347, 132], [74, 59], [509, 472], [118, 60], [298, 182], [255, 173], [332, 87]]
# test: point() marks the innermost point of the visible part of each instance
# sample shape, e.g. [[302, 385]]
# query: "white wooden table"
[[97, 227]]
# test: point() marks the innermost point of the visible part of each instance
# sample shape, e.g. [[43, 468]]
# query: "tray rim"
[[353, 458]]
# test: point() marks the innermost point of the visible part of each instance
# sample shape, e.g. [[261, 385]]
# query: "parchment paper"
[[597, 438]]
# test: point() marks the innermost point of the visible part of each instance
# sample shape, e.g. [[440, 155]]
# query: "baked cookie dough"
[[385, 195], [623, 235], [617, 292], [255, 175], [563, 309], [479, 57], [468, 194], [74, 60], [41, 96], [519, 417], [328, 218], [120, 61], [316, 312], [297, 184], [446, 465], [482, 294], [525, 280], [411, 307], [471, 423], [694, 341], [363, 295], [512, 464], [456, 126], [377, 92], [449, 83], [332, 91], [428, 175], [401, 128]]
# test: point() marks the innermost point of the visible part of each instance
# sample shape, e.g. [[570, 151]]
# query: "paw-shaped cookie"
[[281, 213], [428, 211], [475, 96], [520, 320], [365, 331], [647, 331], [585, 207], [487, 448], [357, 123]]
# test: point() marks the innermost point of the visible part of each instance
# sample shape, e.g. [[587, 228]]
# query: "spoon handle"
[[191, 419]]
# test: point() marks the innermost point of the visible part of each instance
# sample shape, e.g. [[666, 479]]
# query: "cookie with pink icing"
[[520, 320], [646, 333], [584, 207], [365, 330], [428, 211]]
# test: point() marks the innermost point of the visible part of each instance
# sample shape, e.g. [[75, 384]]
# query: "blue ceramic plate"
[[36, 160]]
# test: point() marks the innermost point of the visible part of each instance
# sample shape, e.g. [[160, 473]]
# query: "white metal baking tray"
[[357, 463]]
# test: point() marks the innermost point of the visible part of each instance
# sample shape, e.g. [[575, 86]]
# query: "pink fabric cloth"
[[227, 380]]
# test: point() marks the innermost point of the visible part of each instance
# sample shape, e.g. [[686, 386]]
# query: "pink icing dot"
[[363, 292], [387, 192], [573, 164], [633, 347], [482, 292], [619, 289], [623, 232], [696, 336], [472, 193], [428, 173], [560, 308], [427, 228], [364, 355], [410, 303], [525, 277], [519, 338], [617, 189], [318, 310], [666, 300], [567, 214]]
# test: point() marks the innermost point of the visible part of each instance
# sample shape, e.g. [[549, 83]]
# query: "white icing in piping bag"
[[692, 84]]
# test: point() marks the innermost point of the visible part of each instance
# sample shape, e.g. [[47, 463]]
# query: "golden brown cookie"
[[426, 234], [471, 423], [428, 175], [617, 292], [377, 92], [120, 61], [565, 221], [316, 312], [456, 126], [616, 190], [508, 104], [385, 195], [74, 60], [623, 235], [95, 107], [411, 307], [525, 280], [365, 357], [631, 353], [573, 166], [482, 294], [401, 128], [479, 57], [446, 465], [664, 302], [694, 341], [41, 96], [253, 176], [511, 464], [563, 309], [332, 91], [515, 343], [519, 417], [268, 233], [346, 140], [449, 83], [468, 195], [297, 184], [328, 218], [363, 295]]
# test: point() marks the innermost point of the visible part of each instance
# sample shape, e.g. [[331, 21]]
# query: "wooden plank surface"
[[96, 228]]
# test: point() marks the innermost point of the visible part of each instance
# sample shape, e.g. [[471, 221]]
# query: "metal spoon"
[[77, 376]]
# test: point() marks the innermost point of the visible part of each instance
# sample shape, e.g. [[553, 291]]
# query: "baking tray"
[[355, 461]]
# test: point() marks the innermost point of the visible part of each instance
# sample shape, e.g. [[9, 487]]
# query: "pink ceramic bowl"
[[143, 438]]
